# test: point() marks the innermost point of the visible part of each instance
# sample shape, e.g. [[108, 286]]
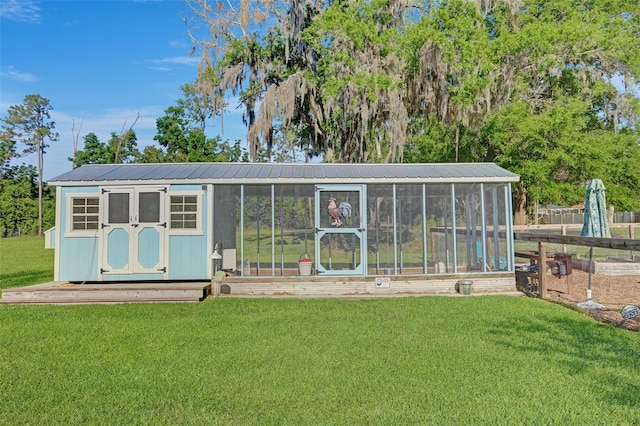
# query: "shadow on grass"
[[601, 356], [24, 278]]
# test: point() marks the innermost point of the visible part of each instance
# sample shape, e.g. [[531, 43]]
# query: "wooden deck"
[[341, 287], [277, 287], [95, 293]]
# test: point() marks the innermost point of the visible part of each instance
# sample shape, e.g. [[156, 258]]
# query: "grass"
[[423, 360], [24, 261], [429, 360]]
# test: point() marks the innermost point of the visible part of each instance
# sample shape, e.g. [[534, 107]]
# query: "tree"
[[560, 58], [19, 204], [94, 152], [75, 135], [119, 149], [7, 150], [152, 154], [30, 124], [373, 81], [232, 153], [238, 60], [123, 148], [172, 130], [197, 106], [185, 142]]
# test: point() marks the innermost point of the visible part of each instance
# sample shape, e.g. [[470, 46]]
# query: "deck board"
[[121, 292]]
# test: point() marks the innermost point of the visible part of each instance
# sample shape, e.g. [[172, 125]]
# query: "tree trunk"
[[520, 210], [457, 140], [611, 214], [40, 167]]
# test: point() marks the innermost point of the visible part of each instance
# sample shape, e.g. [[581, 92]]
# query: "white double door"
[[133, 228]]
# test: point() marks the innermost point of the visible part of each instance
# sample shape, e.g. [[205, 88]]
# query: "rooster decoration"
[[338, 213]]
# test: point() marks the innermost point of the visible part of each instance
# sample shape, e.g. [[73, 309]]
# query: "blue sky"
[[99, 62]]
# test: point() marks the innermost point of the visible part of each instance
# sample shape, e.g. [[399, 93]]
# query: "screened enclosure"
[[365, 229]]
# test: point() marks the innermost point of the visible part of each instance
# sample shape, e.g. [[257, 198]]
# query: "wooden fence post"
[[631, 237], [542, 270]]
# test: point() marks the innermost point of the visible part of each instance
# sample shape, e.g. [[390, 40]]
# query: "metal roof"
[[236, 173]]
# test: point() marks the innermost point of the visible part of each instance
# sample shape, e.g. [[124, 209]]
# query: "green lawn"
[[428, 360], [24, 261], [415, 360]]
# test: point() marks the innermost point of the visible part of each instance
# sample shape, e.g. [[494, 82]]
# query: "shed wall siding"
[[78, 259], [182, 187], [188, 257]]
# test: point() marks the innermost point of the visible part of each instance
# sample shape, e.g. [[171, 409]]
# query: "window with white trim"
[[184, 212], [85, 213]]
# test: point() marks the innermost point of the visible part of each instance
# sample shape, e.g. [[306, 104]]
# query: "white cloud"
[[21, 11], [177, 60], [14, 74], [179, 44], [160, 68]]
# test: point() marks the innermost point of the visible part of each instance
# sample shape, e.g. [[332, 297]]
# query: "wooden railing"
[[631, 228], [542, 239]]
